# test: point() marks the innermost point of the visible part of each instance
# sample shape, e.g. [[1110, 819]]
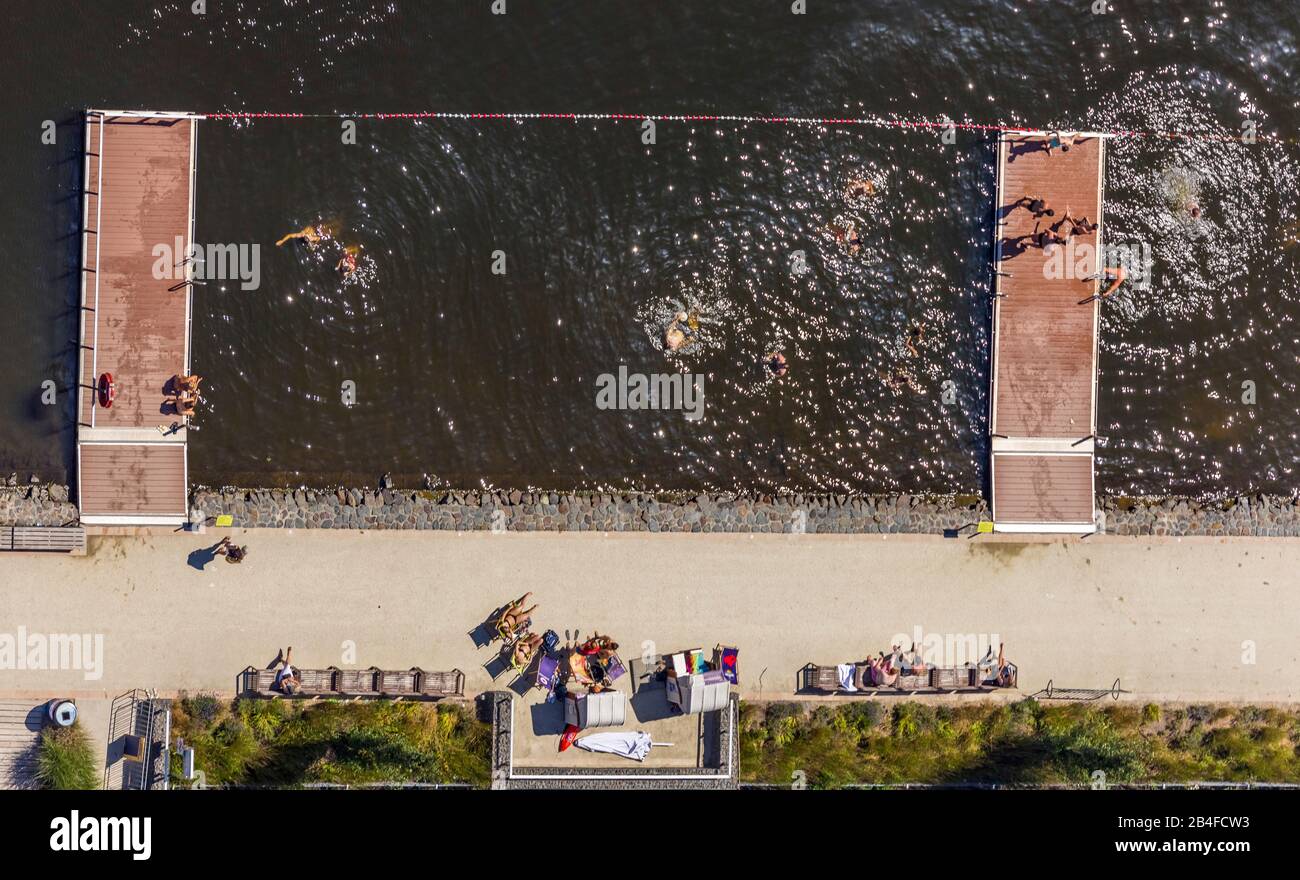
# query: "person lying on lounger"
[[525, 648], [514, 615]]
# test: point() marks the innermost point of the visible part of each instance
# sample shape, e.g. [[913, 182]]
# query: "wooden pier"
[[1043, 418], [137, 225]]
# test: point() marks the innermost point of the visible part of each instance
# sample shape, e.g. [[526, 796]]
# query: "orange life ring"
[[107, 390]]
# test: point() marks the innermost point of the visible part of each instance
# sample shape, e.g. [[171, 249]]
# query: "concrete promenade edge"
[[1190, 619]]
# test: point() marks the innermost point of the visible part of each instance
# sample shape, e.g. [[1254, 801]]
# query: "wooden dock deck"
[[135, 320], [1045, 317]]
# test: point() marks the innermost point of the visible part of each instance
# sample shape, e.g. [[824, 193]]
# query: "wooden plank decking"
[[1044, 395], [135, 321]]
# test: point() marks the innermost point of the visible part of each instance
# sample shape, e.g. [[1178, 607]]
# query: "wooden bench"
[[442, 684], [935, 679], [335, 682], [399, 683], [316, 682], [357, 682], [44, 539]]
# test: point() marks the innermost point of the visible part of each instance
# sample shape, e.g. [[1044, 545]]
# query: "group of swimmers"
[[318, 233]]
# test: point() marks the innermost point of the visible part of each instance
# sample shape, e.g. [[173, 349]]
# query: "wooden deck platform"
[[1045, 318], [135, 319]]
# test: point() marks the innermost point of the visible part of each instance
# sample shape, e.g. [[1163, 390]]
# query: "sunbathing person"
[[287, 680], [912, 662], [598, 646], [998, 672], [514, 615], [881, 672], [524, 650]]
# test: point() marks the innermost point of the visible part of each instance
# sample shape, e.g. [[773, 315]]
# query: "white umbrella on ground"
[[634, 744]]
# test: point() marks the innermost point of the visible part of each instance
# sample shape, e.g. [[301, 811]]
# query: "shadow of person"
[[201, 557]]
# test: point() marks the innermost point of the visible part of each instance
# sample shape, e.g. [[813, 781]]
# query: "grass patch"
[[284, 743], [65, 760], [1024, 743]]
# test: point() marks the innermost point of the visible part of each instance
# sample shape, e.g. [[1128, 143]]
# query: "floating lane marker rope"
[[872, 121]]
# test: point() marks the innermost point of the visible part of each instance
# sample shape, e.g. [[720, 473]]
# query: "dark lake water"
[[477, 378]]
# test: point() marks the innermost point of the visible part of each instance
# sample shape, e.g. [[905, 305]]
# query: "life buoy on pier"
[[107, 390]]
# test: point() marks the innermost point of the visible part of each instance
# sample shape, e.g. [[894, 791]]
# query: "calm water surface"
[[483, 379]]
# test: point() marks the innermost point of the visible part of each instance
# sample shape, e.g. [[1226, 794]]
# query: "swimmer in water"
[[314, 235], [775, 362], [678, 332], [347, 263], [847, 234], [860, 186], [901, 378], [1194, 211], [914, 336]]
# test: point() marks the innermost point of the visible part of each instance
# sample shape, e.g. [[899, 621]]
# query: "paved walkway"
[[1172, 618]]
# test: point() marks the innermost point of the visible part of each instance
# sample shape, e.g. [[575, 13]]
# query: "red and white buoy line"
[[870, 121]]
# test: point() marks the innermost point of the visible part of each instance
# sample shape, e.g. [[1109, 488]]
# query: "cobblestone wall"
[[557, 511]]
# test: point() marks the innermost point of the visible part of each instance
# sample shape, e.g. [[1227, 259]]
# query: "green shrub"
[[1027, 742], [65, 759], [282, 743]]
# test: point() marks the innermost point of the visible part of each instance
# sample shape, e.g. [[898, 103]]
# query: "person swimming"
[[860, 186], [776, 364], [680, 330], [914, 336], [314, 235], [347, 263], [847, 235]]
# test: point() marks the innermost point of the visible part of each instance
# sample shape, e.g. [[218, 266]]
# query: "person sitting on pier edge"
[[181, 383], [314, 234], [185, 402], [1116, 275], [1054, 142]]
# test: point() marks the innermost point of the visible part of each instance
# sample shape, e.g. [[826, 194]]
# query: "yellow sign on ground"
[[225, 519]]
